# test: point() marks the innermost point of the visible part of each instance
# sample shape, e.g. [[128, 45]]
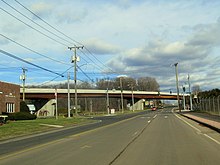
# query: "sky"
[[136, 38]]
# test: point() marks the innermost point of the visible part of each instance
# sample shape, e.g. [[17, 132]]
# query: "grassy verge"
[[26, 127]]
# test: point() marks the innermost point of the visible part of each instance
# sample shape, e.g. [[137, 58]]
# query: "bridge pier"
[[138, 105], [48, 109]]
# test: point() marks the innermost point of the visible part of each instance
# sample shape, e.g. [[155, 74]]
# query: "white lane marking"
[[155, 116], [165, 117], [188, 123], [212, 138], [148, 121], [199, 131], [51, 125], [85, 146], [135, 133]]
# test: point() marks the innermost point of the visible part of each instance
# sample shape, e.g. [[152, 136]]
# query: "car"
[[153, 108]]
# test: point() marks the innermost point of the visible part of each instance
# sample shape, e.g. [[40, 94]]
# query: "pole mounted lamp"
[[177, 85]]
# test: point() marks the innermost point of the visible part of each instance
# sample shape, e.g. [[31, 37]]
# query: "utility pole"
[[107, 101], [56, 103], [68, 86], [122, 106], [90, 104], [75, 59], [23, 78], [191, 108], [177, 86], [132, 96]]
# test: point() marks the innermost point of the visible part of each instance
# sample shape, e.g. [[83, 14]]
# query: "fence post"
[[213, 104], [218, 105], [203, 104], [210, 104]]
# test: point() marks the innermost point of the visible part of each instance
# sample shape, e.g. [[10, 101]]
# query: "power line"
[[99, 67], [97, 58], [55, 77], [20, 59], [84, 73], [35, 22], [47, 23], [34, 51], [64, 35], [33, 28]]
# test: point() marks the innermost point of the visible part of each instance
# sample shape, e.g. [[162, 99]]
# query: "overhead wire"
[[84, 73], [55, 77], [25, 61], [65, 36], [33, 28], [98, 66], [47, 23], [58, 61], [35, 22]]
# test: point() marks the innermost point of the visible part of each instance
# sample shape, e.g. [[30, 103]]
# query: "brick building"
[[9, 97]]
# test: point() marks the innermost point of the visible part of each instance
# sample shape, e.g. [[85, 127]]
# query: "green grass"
[[26, 127]]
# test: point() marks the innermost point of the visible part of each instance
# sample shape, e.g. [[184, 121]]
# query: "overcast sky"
[[122, 37]]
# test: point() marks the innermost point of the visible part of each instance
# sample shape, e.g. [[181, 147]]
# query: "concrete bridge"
[[48, 93], [44, 98]]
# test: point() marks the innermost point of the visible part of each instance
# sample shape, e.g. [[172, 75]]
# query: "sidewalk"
[[208, 120]]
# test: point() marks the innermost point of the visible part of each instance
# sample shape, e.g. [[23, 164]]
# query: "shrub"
[[24, 107], [21, 116]]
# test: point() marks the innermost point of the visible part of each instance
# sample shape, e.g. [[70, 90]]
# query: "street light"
[[177, 85], [191, 108], [184, 101]]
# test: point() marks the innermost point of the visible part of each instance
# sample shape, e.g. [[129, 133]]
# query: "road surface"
[[160, 137]]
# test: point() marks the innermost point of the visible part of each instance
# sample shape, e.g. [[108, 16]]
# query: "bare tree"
[[196, 89], [148, 84]]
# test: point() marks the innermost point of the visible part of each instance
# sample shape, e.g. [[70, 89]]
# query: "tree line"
[[126, 83]]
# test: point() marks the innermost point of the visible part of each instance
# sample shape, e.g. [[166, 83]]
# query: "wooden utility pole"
[[75, 59]]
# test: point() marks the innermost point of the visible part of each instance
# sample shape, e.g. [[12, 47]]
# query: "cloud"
[[71, 16], [206, 35], [98, 46], [42, 9], [194, 55]]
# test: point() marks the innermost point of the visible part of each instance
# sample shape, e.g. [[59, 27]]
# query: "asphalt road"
[[152, 138]]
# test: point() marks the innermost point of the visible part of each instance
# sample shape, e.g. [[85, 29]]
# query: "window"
[[10, 107]]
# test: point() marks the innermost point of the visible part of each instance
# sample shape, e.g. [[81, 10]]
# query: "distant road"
[[161, 138]]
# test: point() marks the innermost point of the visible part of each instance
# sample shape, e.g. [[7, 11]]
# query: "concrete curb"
[[202, 122]]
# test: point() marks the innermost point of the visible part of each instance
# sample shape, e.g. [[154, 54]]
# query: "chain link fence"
[[210, 105]]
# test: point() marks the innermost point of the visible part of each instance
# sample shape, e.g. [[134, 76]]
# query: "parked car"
[[154, 108]]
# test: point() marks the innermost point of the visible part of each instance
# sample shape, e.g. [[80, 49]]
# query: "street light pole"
[[74, 60], [184, 100], [177, 85], [191, 108]]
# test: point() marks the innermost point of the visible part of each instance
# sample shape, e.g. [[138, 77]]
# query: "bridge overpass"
[[44, 98], [48, 93]]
